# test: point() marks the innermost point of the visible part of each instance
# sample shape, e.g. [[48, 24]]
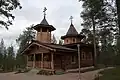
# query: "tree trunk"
[[94, 40], [118, 13]]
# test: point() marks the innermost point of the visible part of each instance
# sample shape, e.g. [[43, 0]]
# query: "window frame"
[[73, 59]]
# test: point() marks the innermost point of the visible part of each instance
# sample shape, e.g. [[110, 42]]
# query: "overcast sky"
[[58, 14]]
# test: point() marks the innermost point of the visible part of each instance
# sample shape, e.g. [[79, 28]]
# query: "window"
[[47, 57], [30, 58], [73, 59], [73, 40], [67, 40], [83, 56], [38, 57], [90, 55]]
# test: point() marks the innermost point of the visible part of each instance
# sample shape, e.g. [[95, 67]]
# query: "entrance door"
[[58, 61]]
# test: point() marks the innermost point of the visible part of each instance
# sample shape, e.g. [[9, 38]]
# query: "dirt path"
[[70, 76]]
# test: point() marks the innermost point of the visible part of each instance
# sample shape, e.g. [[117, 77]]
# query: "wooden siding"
[[46, 64]]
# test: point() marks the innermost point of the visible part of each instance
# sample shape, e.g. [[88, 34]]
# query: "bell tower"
[[72, 35], [44, 30]]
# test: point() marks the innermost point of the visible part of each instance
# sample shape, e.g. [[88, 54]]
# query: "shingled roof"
[[72, 30], [56, 47], [44, 21], [44, 24]]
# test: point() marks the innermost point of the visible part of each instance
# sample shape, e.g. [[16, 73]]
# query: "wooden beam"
[[27, 60], [43, 46], [38, 45], [42, 60], [34, 61], [52, 60], [40, 34], [47, 35]]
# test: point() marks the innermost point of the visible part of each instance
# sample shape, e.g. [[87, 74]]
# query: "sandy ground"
[[69, 76]]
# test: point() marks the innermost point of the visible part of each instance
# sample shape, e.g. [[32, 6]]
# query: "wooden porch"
[[41, 60]]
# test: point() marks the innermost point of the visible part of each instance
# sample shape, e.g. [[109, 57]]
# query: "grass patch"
[[111, 74]]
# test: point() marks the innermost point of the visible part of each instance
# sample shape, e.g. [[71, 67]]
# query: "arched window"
[[73, 40], [67, 40]]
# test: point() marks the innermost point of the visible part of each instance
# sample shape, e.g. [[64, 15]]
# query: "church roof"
[[50, 46], [44, 24], [44, 21], [72, 30]]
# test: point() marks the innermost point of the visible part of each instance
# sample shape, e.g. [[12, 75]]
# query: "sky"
[[58, 14]]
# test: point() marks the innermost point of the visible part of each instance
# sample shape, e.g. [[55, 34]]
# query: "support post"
[[47, 35], [34, 60], [42, 61], [94, 40], [27, 60], [52, 61], [50, 36], [40, 34], [79, 60]]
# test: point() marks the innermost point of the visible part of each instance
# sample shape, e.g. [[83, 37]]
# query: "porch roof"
[[50, 46]]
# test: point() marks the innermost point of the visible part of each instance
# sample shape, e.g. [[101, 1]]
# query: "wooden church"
[[43, 54]]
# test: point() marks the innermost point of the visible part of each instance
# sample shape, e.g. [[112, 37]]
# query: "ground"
[[111, 74], [28, 76]]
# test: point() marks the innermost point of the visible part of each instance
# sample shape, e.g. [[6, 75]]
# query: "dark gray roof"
[[52, 46], [72, 30], [44, 24], [44, 21]]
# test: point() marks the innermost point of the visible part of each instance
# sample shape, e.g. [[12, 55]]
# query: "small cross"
[[71, 18], [45, 9]]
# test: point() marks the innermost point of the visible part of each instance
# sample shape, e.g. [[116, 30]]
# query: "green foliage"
[[45, 72], [54, 41], [117, 2], [60, 42], [7, 57], [100, 21], [23, 40], [6, 17]]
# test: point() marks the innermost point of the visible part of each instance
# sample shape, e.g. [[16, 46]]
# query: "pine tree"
[[60, 42], [23, 40], [6, 17], [99, 15], [54, 41], [10, 61], [2, 52]]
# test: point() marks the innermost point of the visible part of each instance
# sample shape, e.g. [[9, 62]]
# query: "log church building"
[[43, 54]]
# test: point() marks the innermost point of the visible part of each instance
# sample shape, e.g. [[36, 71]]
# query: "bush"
[[45, 72]]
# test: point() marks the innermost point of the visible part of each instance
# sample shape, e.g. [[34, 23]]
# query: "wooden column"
[[52, 60], [40, 37], [47, 35], [27, 60], [50, 36], [42, 61], [34, 61]]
